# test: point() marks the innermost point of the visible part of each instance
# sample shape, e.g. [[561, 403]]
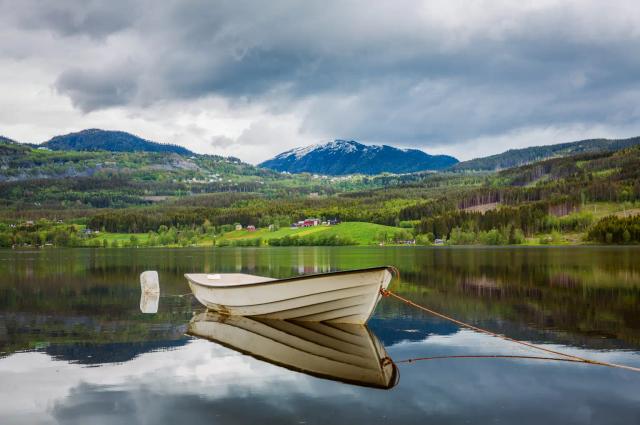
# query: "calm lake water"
[[76, 349]]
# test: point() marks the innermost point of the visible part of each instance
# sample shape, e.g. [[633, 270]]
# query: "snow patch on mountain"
[[343, 146]]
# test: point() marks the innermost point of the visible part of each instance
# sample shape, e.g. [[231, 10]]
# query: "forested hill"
[[39, 181], [10, 147], [6, 140], [112, 141], [341, 157], [516, 157]]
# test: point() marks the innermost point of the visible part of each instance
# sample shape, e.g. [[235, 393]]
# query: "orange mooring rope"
[[387, 293]]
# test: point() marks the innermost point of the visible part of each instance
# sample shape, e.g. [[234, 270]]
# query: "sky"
[[252, 79]]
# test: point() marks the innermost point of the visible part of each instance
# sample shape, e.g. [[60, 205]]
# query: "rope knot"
[[385, 361], [384, 292]]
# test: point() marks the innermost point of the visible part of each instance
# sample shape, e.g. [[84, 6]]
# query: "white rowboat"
[[338, 297], [340, 352]]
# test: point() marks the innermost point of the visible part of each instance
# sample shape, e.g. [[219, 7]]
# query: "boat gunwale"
[[298, 297], [286, 279]]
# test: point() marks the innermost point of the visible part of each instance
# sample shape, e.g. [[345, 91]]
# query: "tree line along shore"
[[576, 228]]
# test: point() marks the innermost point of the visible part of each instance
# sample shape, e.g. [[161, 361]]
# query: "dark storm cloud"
[[95, 19], [403, 72], [95, 89]]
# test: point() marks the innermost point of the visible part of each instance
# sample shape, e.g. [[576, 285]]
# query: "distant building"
[[238, 226], [310, 222], [307, 222], [251, 228], [438, 242]]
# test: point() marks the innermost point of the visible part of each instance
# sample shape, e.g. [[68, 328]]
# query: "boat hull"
[[340, 352], [339, 297]]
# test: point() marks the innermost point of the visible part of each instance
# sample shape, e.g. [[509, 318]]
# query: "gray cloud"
[[93, 18], [411, 73], [95, 89]]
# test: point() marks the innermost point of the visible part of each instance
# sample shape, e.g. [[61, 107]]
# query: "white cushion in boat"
[[226, 279]]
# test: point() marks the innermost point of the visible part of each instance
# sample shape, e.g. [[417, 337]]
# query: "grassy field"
[[119, 239], [359, 232]]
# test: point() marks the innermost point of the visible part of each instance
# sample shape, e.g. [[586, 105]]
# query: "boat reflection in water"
[[341, 352]]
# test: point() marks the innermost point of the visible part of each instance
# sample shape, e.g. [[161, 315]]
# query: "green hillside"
[[112, 141], [517, 157], [355, 233], [348, 233], [56, 197], [37, 181]]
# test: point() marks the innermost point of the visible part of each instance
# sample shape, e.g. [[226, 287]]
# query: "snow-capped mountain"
[[350, 157]]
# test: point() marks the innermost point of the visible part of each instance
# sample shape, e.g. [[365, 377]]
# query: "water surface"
[[75, 348]]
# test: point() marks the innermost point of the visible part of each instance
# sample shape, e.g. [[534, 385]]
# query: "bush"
[[246, 242], [5, 241], [503, 236], [517, 237], [460, 237], [223, 243], [493, 237], [312, 240], [424, 239], [551, 239]]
